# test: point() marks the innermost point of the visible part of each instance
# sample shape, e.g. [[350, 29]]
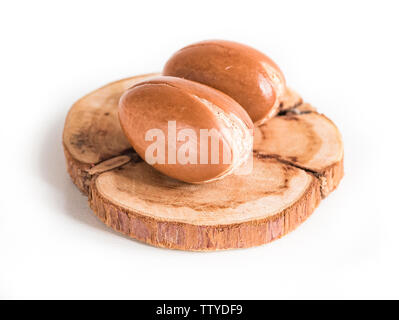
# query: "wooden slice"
[[236, 212], [309, 140]]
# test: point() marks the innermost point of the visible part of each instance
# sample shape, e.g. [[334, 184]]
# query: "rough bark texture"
[[162, 232], [78, 172]]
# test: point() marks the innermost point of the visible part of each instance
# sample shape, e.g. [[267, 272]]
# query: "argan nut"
[[245, 74], [186, 130]]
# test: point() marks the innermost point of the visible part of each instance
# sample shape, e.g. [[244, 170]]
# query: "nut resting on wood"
[[297, 154], [245, 74], [149, 106]]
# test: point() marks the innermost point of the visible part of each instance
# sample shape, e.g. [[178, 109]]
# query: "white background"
[[342, 56]]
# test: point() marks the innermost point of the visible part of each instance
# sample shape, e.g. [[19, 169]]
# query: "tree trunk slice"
[[307, 140], [236, 212]]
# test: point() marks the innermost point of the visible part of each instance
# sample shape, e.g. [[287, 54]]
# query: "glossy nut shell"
[[175, 111], [245, 74]]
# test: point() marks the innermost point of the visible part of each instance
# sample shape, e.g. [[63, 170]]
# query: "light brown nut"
[[186, 130], [245, 74]]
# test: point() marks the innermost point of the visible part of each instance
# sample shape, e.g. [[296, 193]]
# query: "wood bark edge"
[[331, 177]]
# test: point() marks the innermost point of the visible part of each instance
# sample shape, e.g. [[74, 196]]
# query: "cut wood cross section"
[[298, 160]]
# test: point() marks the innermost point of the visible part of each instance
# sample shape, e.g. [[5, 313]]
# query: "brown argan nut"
[[245, 74], [186, 130]]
